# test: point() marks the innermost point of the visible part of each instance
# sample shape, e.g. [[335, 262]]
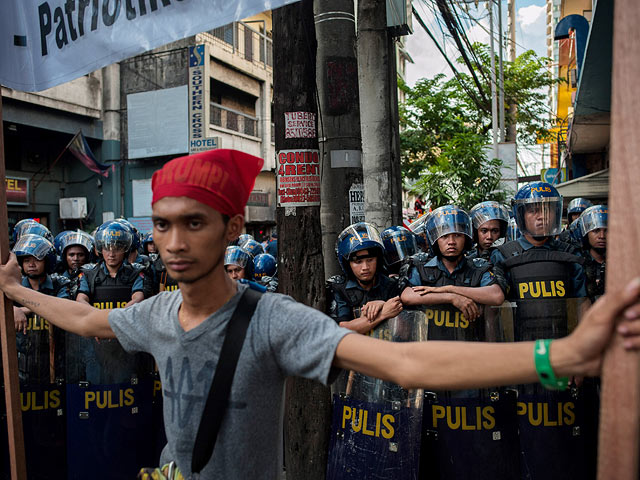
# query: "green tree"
[[446, 125]]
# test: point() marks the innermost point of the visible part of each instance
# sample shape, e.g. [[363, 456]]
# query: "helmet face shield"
[[399, 243], [32, 245], [578, 205], [81, 239], [485, 211], [40, 248], [538, 216], [593, 218], [513, 232], [31, 227], [235, 255], [252, 246], [113, 235], [446, 220]]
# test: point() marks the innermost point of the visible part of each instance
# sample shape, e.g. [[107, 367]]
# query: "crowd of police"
[[86, 401], [493, 274]]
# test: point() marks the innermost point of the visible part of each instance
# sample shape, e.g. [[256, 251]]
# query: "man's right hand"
[[19, 320], [10, 274], [468, 307]]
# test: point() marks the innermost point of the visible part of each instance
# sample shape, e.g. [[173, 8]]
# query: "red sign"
[[298, 178], [17, 191]]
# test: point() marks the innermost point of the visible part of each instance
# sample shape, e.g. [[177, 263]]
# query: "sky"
[[428, 61]]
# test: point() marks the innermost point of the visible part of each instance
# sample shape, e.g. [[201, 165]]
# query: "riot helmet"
[[577, 206], [252, 246], [420, 231], [30, 226], [592, 218], [541, 204], [56, 240], [264, 265], [513, 232], [235, 255], [32, 245], [357, 237], [113, 234], [244, 237], [399, 243], [485, 211], [446, 220]]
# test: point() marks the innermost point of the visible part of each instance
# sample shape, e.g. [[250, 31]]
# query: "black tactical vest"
[[356, 297], [540, 280], [163, 281], [595, 273], [107, 292]]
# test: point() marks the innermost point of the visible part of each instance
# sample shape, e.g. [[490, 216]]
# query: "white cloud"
[[532, 19]]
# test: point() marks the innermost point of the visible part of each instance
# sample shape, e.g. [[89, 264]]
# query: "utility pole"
[[300, 265], [619, 441], [511, 8], [383, 206], [501, 69], [494, 98], [339, 123]]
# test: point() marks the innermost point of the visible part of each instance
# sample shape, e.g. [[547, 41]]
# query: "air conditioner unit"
[[73, 208]]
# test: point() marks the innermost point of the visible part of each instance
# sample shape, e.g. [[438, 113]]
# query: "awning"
[[590, 126], [593, 186]]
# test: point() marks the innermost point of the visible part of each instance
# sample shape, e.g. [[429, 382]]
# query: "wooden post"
[[620, 406], [300, 264], [8, 341]]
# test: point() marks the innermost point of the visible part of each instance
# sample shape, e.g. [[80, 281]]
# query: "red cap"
[[222, 179]]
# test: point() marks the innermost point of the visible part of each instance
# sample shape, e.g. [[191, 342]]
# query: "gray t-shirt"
[[285, 338]]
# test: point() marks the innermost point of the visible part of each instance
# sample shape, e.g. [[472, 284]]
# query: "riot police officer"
[[363, 297], [490, 220], [238, 263], [399, 244], [149, 246], [75, 250], [544, 278], [40, 347], [112, 282], [452, 289], [593, 227], [575, 208]]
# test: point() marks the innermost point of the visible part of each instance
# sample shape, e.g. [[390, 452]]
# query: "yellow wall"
[[571, 7]]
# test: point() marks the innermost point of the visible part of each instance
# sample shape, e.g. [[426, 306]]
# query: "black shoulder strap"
[[218, 398]]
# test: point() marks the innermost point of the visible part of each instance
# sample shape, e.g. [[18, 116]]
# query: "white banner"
[[46, 43]]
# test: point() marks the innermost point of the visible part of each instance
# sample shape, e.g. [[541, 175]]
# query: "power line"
[[468, 91]]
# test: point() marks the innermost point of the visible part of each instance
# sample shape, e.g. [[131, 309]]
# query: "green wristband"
[[547, 378]]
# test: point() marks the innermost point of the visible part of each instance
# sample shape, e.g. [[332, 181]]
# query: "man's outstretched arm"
[[462, 365], [75, 317]]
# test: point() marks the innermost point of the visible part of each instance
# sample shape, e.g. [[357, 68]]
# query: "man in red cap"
[[198, 204]]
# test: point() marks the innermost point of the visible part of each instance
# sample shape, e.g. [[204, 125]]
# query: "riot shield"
[[558, 430], [471, 433], [376, 424], [42, 397], [109, 402]]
